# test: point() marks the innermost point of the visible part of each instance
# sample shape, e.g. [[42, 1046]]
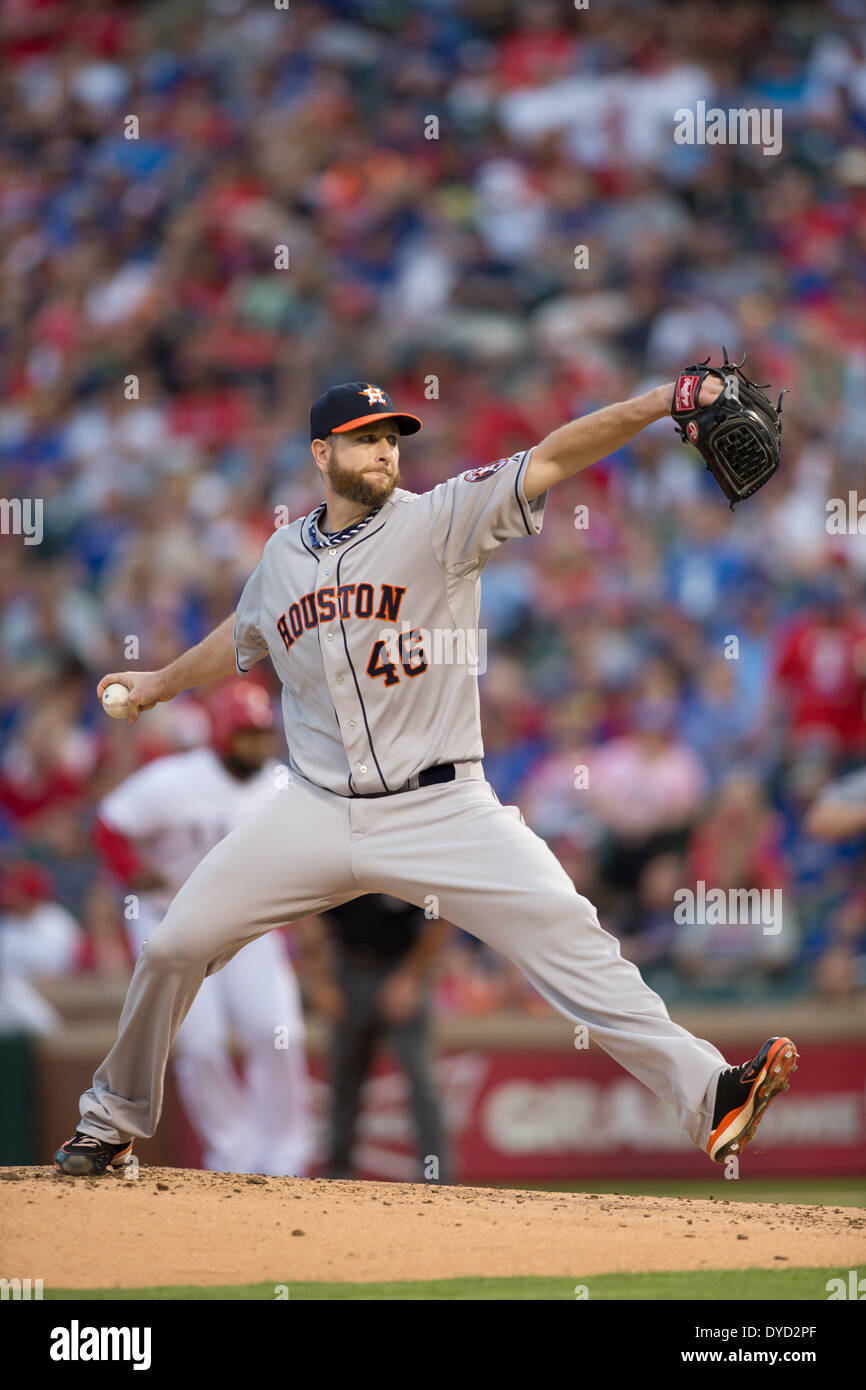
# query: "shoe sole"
[[781, 1062], [82, 1165]]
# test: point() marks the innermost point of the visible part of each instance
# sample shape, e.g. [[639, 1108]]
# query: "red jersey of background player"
[[821, 663]]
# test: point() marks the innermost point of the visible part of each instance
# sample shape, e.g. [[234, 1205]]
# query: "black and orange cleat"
[[83, 1156], [743, 1094]]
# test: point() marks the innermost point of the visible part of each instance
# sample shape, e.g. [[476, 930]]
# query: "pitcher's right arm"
[[212, 659]]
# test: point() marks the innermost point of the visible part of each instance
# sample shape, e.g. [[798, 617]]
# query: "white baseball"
[[115, 700]]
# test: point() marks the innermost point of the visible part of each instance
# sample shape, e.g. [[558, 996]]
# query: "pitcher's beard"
[[357, 489]]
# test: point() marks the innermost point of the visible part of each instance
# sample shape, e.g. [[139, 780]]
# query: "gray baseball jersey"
[[375, 639]]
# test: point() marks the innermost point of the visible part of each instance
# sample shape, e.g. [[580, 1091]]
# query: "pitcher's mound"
[[180, 1226]]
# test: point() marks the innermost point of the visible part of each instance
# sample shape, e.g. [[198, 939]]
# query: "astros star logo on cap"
[[375, 395]]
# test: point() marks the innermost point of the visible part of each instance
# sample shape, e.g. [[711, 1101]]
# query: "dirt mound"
[[176, 1226]]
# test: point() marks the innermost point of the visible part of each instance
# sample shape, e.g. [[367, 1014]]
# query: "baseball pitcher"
[[368, 609]]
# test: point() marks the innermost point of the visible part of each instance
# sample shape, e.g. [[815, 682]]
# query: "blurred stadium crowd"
[[668, 686]]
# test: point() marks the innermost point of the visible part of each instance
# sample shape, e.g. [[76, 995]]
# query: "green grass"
[[822, 1192], [671, 1286]]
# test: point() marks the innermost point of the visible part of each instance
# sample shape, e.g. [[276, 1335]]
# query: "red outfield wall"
[[541, 1115], [548, 1114]]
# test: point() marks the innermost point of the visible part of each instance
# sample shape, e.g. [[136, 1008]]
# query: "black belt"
[[442, 772]]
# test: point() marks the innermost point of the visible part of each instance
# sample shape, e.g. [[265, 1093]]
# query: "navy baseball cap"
[[352, 404]]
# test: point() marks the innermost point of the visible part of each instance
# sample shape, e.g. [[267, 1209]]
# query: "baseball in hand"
[[115, 700]]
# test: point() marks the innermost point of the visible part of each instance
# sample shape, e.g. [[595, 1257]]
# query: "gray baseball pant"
[[451, 847]]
